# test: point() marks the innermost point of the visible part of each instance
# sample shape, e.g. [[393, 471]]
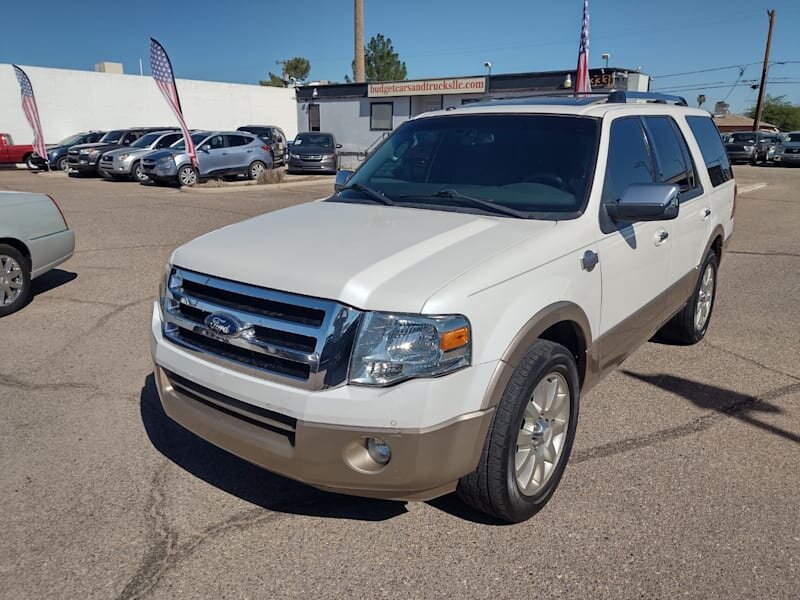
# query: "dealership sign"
[[427, 87]]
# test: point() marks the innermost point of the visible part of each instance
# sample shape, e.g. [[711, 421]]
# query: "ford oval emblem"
[[223, 325]]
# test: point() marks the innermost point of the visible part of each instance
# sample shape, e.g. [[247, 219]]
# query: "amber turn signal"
[[450, 340]]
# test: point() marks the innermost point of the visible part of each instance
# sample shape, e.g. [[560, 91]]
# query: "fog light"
[[379, 451]]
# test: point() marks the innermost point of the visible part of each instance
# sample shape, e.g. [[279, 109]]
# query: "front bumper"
[[161, 171], [280, 428], [116, 166], [83, 163], [326, 164], [741, 156], [792, 158]]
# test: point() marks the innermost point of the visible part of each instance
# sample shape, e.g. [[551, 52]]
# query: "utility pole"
[[358, 70], [765, 68]]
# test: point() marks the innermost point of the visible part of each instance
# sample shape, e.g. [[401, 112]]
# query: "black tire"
[[23, 277], [492, 488], [683, 328], [62, 164], [28, 159], [187, 175]]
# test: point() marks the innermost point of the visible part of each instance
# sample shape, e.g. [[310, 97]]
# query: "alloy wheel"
[[11, 280], [705, 298], [542, 434]]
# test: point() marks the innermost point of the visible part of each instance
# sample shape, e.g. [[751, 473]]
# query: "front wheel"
[[256, 169], [15, 280], [62, 164], [187, 175], [137, 171], [530, 439]]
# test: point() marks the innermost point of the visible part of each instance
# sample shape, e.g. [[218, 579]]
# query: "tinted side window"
[[170, 139], [710, 142], [238, 140], [628, 159], [669, 154]]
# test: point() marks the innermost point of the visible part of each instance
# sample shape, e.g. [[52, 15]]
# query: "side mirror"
[[205, 147], [341, 179], [646, 202], [338, 146]]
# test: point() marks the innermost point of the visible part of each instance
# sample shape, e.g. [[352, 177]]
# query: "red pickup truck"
[[12, 154]]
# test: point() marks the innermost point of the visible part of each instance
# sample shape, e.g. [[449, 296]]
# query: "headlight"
[[293, 155], [93, 151], [123, 156], [165, 160], [748, 148], [394, 347]]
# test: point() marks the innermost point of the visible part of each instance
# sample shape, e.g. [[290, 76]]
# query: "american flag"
[[31, 111], [161, 68], [582, 84]]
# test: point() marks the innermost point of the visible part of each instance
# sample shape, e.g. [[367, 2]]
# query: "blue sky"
[[240, 40]]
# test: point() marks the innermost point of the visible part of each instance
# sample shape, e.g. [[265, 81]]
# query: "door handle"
[[589, 260], [706, 213], [661, 236]]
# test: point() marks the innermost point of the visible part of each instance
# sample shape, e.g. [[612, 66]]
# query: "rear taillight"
[[61, 212], [266, 148], [735, 191]]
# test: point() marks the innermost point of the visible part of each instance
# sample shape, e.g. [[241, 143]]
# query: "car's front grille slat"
[[293, 339]]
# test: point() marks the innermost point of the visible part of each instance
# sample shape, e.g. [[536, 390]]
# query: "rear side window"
[[238, 140], [714, 154], [672, 155], [628, 158]]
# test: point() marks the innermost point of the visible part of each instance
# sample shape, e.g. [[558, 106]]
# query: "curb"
[[245, 186]]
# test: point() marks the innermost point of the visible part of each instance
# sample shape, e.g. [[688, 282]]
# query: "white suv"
[[432, 325]]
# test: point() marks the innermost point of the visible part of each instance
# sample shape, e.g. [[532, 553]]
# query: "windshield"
[[314, 139], [793, 137], [742, 138], [538, 165], [71, 140], [196, 139], [146, 140], [112, 136]]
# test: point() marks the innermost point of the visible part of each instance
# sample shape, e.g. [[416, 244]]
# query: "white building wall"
[[72, 101]]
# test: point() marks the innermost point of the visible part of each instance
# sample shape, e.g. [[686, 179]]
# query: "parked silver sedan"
[[34, 238]]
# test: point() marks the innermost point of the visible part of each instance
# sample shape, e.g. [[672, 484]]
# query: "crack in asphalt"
[[13, 382], [753, 253], [753, 361], [164, 553], [695, 426]]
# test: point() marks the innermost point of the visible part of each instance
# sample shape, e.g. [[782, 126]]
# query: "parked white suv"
[[433, 324]]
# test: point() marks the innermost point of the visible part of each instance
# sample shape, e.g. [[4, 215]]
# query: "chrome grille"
[[297, 340]]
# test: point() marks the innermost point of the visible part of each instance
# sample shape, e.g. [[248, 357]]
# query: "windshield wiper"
[[498, 208], [373, 194]]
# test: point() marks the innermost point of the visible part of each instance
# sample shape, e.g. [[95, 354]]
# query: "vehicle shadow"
[[244, 480], [724, 401], [50, 281]]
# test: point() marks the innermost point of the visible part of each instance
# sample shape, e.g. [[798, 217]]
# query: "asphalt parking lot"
[[684, 479]]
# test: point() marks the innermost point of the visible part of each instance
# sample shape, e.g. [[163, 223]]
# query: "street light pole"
[[764, 69]]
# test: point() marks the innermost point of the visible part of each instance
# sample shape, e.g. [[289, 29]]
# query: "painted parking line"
[[752, 188]]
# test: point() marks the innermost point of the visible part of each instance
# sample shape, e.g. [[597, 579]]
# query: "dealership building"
[[361, 115]]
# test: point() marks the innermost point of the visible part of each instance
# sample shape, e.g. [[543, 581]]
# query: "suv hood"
[[159, 154], [128, 150], [368, 256], [103, 146]]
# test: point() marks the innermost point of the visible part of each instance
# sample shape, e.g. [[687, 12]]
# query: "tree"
[[296, 68], [780, 112], [382, 63]]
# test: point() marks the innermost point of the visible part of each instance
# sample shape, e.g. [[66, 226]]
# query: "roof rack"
[[622, 97]]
